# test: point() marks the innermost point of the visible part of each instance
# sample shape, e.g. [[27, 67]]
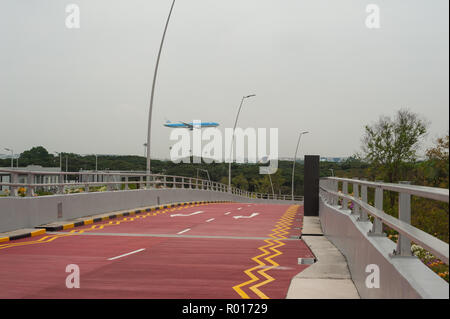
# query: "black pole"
[[311, 185]]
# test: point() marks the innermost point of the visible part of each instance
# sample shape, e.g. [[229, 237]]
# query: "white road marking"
[[228, 213], [252, 215], [133, 252], [210, 220], [183, 231], [239, 208], [199, 212]]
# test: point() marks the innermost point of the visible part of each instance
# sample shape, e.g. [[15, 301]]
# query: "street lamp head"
[[304, 132], [8, 149], [251, 95]]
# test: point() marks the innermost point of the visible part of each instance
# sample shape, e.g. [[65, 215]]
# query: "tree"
[[434, 172], [240, 182], [390, 144], [37, 156]]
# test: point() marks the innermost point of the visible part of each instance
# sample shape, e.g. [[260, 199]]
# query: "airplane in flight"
[[190, 125]]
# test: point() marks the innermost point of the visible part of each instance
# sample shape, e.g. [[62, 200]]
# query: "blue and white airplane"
[[190, 125]]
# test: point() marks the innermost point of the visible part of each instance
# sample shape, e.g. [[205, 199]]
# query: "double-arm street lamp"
[[203, 170], [295, 158], [232, 139]]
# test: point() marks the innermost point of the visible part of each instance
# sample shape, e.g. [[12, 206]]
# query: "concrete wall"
[[27, 212], [400, 277]]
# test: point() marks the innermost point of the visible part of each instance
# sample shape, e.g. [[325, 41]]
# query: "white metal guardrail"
[[407, 233], [114, 180]]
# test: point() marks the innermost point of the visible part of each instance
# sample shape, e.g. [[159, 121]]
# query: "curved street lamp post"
[[295, 158], [232, 139], [153, 93]]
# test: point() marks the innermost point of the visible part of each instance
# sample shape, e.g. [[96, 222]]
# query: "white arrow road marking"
[[133, 252], [183, 231], [252, 215], [210, 220], [199, 212]]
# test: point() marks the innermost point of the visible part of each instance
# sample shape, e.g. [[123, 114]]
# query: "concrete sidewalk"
[[329, 276]]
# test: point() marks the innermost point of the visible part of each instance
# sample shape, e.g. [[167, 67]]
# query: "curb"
[[89, 221], [37, 232]]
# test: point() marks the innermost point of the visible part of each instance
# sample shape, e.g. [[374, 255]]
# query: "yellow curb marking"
[[50, 238]]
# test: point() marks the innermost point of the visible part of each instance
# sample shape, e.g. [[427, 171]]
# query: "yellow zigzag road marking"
[[263, 272], [277, 234], [250, 274]]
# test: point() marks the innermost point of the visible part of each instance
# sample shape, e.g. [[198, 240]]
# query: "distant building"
[[333, 159], [41, 179]]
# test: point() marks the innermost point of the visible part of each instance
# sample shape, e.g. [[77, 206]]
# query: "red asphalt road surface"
[[188, 265]]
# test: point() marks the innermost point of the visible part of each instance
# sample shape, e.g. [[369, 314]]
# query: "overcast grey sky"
[[313, 64]]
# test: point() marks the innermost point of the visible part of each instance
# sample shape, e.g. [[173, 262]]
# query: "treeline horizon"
[[245, 175]]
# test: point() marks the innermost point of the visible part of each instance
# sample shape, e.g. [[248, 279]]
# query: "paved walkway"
[[329, 277]]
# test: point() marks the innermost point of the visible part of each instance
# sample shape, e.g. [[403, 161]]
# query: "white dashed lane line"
[[210, 220], [183, 231], [133, 252]]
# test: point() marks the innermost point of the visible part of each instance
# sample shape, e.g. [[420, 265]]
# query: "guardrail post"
[[108, 179], [61, 181], [30, 189], [126, 183], [345, 192], [355, 210], [377, 227], [404, 214], [363, 217], [329, 184], [336, 189]]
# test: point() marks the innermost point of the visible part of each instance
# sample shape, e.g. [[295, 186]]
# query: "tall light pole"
[[12, 155], [232, 138], [153, 90], [271, 185], [60, 160], [295, 158], [96, 167]]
